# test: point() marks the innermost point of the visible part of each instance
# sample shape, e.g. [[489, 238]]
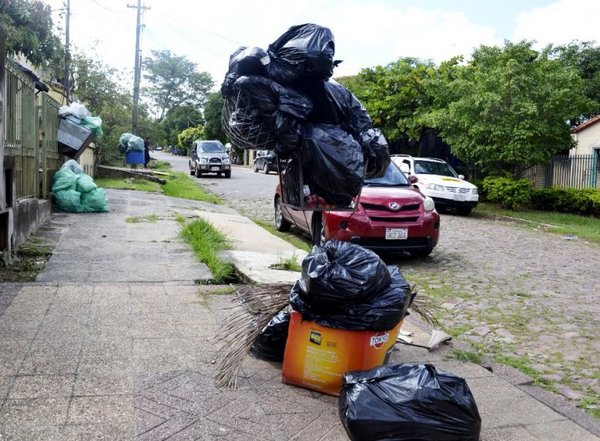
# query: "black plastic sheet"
[[270, 343], [408, 403], [381, 313], [333, 163], [376, 151], [305, 50]]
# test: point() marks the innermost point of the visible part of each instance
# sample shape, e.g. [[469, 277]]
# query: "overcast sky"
[[367, 32]]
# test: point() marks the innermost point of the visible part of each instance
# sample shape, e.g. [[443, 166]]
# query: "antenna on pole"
[[66, 80], [137, 71]]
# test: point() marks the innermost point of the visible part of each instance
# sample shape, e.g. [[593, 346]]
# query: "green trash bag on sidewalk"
[[68, 200], [76, 192], [94, 201]]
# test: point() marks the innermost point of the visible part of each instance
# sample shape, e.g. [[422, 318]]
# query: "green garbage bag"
[[85, 183], [94, 201], [63, 179], [73, 165], [68, 200], [94, 123]]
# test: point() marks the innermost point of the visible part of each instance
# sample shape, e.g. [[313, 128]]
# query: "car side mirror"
[[413, 179], [461, 177]]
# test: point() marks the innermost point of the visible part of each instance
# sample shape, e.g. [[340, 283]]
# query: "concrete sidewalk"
[[116, 341]]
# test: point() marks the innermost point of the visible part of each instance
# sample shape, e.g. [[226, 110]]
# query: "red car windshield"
[[393, 177]]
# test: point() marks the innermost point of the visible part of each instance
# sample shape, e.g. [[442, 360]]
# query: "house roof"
[[586, 124]]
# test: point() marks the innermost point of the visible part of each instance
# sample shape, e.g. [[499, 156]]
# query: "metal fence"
[[564, 171], [30, 133]]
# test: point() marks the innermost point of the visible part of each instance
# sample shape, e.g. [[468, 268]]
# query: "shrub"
[[567, 200], [507, 192]]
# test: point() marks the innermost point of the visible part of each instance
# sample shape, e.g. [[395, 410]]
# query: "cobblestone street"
[[525, 296]]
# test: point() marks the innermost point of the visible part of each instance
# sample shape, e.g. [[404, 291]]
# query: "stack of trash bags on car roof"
[[336, 337], [75, 191], [283, 99]]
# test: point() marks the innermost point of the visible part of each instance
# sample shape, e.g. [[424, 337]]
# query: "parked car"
[[265, 161], [436, 179], [209, 157], [391, 216]]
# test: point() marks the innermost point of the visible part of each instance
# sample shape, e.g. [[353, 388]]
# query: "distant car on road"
[[436, 179], [209, 157], [266, 162], [391, 216]]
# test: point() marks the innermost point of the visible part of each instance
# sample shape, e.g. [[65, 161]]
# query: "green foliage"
[[174, 82], [567, 200], [507, 192], [508, 109], [213, 129], [585, 57], [207, 241], [395, 96], [128, 184], [28, 28], [179, 119], [189, 135]]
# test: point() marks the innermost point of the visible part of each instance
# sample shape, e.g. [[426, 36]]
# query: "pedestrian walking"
[[146, 151]]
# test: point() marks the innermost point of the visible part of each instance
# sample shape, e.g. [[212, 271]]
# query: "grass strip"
[[180, 185], [207, 241]]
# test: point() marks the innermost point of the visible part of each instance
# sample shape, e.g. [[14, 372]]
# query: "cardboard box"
[[316, 357]]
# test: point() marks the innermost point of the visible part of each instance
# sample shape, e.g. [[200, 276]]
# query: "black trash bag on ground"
[[270, 343], [244, 61], [381, 313], [408, 402], [332, 162], [305, 50], [339, 273], [376, 151]]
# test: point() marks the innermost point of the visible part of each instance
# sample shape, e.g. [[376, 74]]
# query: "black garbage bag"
[[305, 50], [408, 402], [270, 343], [264, 106], [332, 163], [244, 61], [376, 152], [354, 116], [381, 313], [339, 273]]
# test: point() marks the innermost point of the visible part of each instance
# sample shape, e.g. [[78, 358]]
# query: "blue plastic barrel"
[[134, 157]]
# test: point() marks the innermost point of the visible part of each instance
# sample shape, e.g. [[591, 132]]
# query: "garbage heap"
[[345, 313], [336, 337], [132, 146], [283, 99], [75, 191]]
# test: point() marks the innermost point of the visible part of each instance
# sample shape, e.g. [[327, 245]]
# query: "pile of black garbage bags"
[[283, 99], [345, 286], [342, 286]]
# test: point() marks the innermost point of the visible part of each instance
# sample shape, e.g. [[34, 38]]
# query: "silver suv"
[[209, 157]]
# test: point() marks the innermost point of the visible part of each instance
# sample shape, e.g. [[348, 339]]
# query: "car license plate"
[[396, 233], [215, 168], [460, 197]]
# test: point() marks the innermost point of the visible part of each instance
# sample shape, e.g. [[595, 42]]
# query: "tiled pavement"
[[86, 358]]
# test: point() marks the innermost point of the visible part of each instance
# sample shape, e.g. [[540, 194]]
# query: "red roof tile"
[[586, 124]]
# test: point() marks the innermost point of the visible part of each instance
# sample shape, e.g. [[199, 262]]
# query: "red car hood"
[[384, 195]]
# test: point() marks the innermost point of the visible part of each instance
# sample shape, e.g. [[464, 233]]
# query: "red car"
[[391, 216]]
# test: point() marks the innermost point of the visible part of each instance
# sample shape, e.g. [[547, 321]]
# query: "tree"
[[585, 57], [172, 82], [28, 28], [213, 110], [395, 97], [509, 108], [189, 135], [98, 87], [179, 119]]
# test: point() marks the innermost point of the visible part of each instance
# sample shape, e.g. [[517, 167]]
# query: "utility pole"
[[137, 71], [66, 81]]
